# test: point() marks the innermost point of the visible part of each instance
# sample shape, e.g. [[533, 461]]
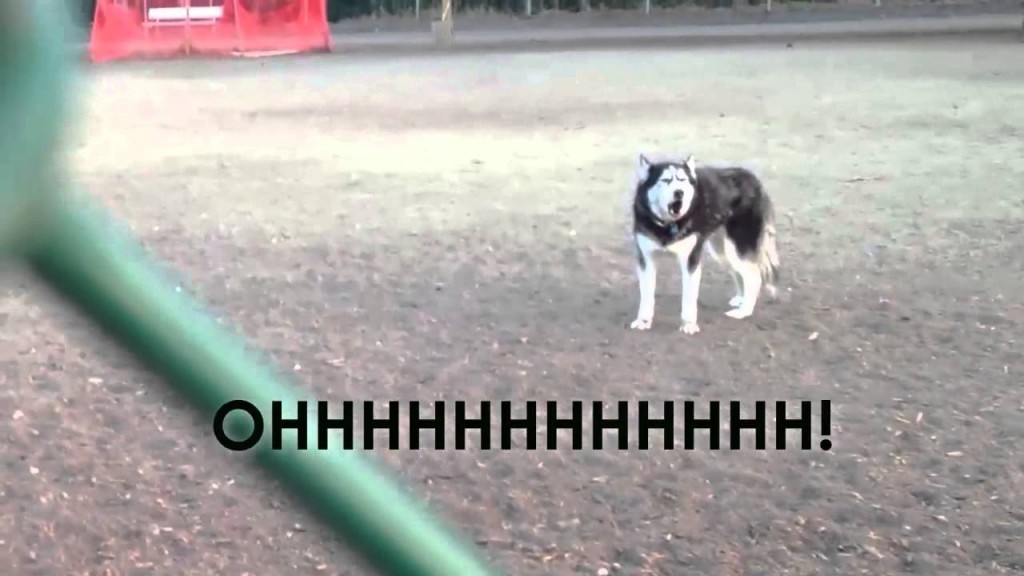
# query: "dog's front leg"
[[647, 278], [689, 252]]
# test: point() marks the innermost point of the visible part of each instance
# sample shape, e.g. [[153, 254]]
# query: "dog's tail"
[[768, 253]]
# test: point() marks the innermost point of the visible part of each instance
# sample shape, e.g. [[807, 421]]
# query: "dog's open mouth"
[[674, 207]]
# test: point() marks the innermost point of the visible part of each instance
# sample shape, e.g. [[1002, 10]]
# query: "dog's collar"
[[672, 227]]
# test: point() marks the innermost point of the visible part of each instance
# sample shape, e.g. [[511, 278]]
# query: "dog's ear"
[[691, 164], [643, 169]]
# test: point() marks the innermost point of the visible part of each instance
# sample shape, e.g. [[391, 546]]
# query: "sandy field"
[[454, 227]]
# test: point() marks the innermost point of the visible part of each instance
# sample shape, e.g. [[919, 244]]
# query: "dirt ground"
[[454, 227]]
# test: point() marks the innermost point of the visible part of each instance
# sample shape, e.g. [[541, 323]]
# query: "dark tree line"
[[341, 9], [367, 7]]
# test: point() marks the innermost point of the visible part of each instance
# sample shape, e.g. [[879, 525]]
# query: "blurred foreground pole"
[[99, 267], [101, 270], [444, 28]]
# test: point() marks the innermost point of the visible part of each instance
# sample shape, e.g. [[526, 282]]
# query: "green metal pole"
[[100, 268], [96, 267], [33, 80]]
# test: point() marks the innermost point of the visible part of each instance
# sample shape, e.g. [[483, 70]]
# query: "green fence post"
[[97, 266]]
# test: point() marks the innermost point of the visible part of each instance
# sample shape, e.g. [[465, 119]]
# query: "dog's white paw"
[[738, 313], [641, 324], [689, 328], [736, 301]]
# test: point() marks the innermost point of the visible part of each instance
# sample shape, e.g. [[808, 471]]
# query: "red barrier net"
[[125, 29]]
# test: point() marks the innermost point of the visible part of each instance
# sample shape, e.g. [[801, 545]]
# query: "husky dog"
[[687, 209]]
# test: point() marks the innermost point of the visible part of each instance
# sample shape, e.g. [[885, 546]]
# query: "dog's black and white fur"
[[687, 209]]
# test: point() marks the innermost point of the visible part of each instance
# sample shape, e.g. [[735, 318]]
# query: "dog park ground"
[[454, 227]]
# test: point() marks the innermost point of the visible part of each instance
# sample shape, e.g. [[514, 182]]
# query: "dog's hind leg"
[[747, 275], [715, 247], [647, 279], [751, 278], [737, 281]]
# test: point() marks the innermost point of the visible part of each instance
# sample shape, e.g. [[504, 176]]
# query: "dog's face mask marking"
[[672, 194]]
